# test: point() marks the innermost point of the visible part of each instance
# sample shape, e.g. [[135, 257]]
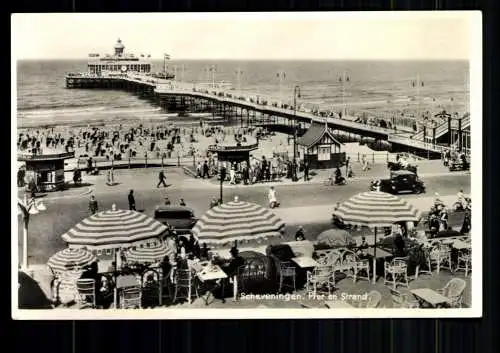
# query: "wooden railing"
[[45, 156]]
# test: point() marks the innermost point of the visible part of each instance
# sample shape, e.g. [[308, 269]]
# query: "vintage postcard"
[[247, 165]]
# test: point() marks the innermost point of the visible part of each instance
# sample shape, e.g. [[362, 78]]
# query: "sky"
[[248, 36]]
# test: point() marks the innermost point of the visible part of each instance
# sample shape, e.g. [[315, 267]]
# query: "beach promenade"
[[308, 203]]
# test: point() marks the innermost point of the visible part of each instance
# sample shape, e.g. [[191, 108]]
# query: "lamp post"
[[239, 75], [343, 78], [281, 76], [27, 208], [296, 94], [222, 177], [212, 69]]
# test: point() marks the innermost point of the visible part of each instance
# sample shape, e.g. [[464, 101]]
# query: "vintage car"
[[181, 218], [399, 181], [394, 166], [458, 164]]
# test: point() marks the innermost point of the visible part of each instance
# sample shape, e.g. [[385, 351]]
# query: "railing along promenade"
[[251, 103], [263, 104]]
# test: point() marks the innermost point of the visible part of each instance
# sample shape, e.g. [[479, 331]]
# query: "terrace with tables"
[[151, 266]]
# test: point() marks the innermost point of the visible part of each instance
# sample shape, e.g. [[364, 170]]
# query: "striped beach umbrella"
[[237, 221], [114, 229], [335, 237], [149, 254], [376, 209], [70, 259]]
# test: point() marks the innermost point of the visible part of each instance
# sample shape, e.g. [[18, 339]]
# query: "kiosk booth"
[[45, 170], [320, 148], [234, 151]]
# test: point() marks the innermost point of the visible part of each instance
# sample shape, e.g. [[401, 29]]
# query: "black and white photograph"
[[246, 165]]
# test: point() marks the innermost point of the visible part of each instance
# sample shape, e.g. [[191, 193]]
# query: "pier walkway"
[[265, 104]]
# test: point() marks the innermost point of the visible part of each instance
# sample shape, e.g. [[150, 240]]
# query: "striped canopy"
[[149, 254], [70, 259], [114, 229], [237, 221], [376, 209], [335, 237]]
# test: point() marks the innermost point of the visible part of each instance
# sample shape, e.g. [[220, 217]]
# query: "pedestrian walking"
[[131, 200], [205, 170], [162, 179], [93, 206], [347, 164], [466, 225], [306, 171]]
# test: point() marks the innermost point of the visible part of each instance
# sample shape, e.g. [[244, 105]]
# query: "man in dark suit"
[[131, 200], [93, 206], [234, 264], [162, 179], [205, 170]]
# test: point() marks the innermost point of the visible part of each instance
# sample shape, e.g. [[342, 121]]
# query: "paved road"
[[46, 227]]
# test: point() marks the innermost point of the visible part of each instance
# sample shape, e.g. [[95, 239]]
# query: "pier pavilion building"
[[119, 61]]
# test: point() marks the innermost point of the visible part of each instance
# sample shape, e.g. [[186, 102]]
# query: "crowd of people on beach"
[[35, 141]]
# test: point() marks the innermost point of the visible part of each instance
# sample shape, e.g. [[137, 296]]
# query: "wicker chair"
[[464, 262], [454, 291], [151, 288], [319, 278], [401, 300], [131, 298], [185, 280], [253, 272], [445, 257], [374, 298], [86, 296], [285, 270], [396, 273], [361, 269]]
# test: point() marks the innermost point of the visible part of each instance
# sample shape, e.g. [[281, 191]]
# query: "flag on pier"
[[167, 56]]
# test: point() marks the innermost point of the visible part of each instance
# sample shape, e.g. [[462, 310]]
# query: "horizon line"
[[268, 59]]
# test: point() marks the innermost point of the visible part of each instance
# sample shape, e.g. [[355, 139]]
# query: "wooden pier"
[[257, 109]]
